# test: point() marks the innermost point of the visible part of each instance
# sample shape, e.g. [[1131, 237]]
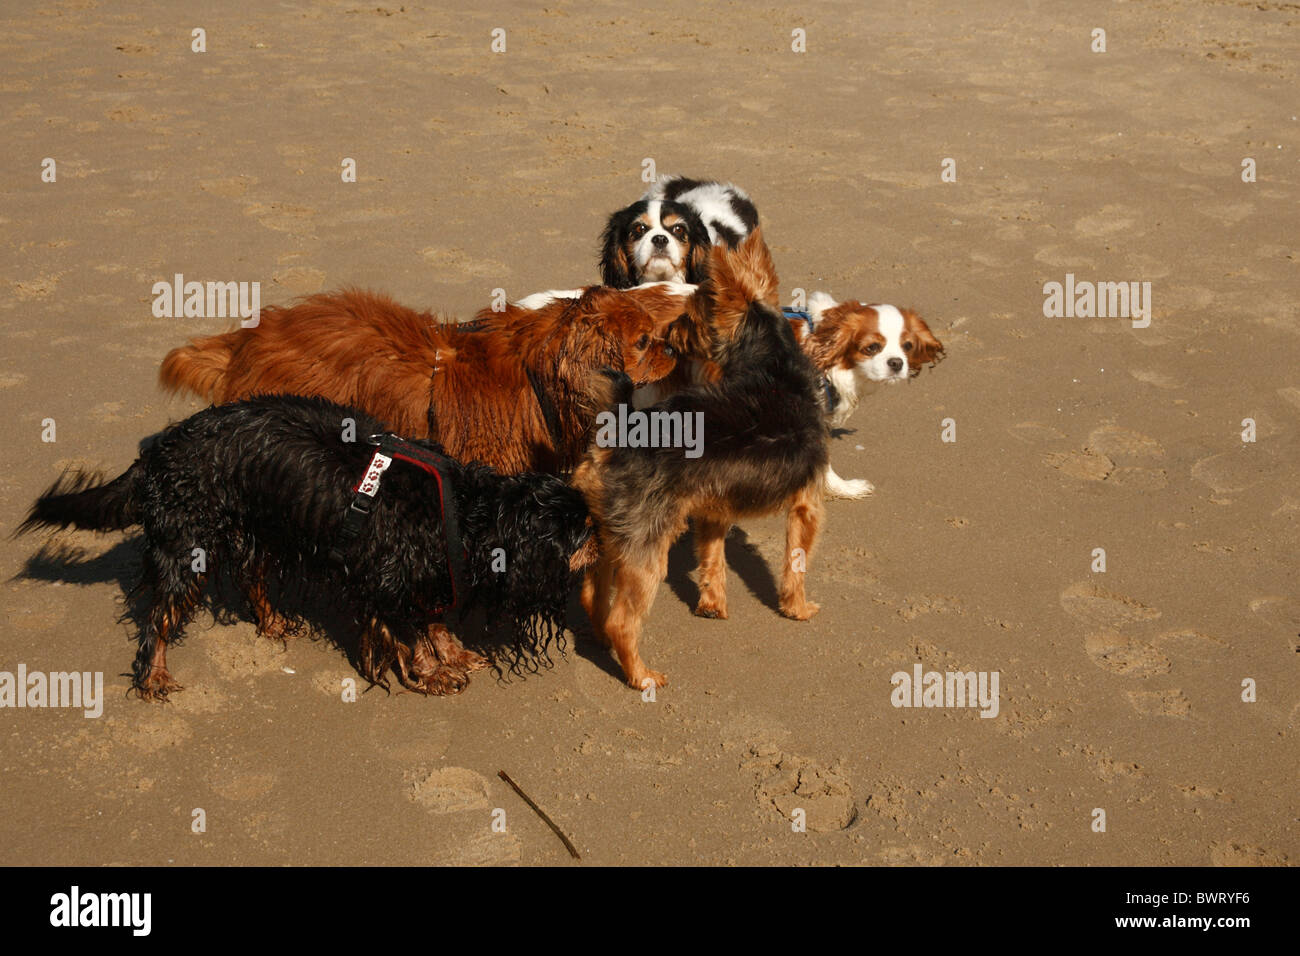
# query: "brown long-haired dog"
[[681, 315], [519, 396], [764, 451]]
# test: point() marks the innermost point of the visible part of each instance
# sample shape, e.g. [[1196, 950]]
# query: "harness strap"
[[829, 395], [549, 414], [391, 448]]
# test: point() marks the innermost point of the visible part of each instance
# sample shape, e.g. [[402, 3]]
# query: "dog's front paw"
[[645, 678], [711, 608], [157, 685], [446, 681]]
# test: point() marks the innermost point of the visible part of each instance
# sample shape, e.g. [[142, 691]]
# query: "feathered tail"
[[199, 367], [82, 500]]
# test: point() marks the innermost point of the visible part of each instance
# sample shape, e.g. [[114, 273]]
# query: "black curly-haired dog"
[[265, 488]]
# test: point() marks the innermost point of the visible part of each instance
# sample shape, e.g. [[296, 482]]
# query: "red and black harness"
[[391, 448]]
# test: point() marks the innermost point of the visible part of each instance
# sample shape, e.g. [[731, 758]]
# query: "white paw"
[[837, 487]]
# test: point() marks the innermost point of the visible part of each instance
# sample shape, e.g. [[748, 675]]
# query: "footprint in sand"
[[1126, 656], [1082, 465], [238, 652], [1132, 657], [451, 790], [1231, 472], [1129, 450], [1110, 220], [458, 790], [1117, 456], [1064, 257], [788, 782], [1097, 607]]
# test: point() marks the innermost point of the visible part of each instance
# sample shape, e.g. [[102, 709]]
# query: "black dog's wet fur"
[[263, 485]]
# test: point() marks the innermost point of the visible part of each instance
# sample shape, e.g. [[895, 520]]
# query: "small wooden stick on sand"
[[568, 845]]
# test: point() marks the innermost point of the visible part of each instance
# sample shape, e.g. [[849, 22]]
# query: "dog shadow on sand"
[[61, 561], [744, 562]]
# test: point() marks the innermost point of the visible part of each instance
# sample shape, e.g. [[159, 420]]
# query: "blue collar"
[[829, 395], [799, 314]]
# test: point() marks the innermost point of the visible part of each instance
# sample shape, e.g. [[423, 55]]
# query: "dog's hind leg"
[[175, 594], [803, 522], [269, 623], [378, 652], [710, 553], [634, 592]]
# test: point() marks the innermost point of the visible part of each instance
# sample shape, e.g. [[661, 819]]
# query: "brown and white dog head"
[[858, 348], [878, 343]]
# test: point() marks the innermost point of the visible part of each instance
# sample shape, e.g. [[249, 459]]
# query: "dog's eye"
[[638, 230], [907, 346], [873, 348], [643, 341], [679, 231]]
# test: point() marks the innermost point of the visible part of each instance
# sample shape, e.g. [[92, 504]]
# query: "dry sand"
[[1119, 691]]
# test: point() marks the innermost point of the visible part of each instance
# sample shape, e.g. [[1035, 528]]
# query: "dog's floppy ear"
[[686, 336], [588, 552], [928, 348], [615, 268], [697, 260]]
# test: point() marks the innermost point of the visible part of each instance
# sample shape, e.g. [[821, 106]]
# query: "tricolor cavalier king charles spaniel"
[[665, 235]]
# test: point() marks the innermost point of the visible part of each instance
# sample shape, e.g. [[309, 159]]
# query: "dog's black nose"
[[660, 240], [895, 364]]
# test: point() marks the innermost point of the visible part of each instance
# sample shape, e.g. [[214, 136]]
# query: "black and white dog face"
[[653, 240], [726, 209]]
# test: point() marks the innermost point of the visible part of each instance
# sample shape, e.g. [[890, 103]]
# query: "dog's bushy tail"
[[737, 278], [744, 274], [199, 367], [85, 501]]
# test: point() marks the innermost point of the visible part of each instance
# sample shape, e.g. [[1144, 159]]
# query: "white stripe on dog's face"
[[658, 253], [890, 363]]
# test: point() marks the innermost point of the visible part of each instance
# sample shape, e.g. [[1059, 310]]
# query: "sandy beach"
[[1163, 690]]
